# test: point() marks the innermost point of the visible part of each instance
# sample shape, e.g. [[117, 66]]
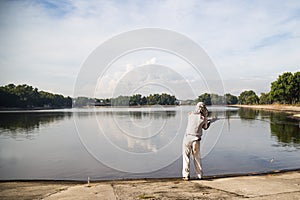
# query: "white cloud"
[[43, 43], [150, 62]]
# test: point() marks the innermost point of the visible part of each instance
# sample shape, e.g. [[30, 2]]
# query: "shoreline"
[[219, 176], [230, 187], [294, 110]]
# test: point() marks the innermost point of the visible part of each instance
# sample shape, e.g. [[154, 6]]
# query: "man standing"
[[197, 121]]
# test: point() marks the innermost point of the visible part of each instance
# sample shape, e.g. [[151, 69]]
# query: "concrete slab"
[[268, 186], [256, 186], [85, 192], [172, 189], [30, 189], [288, 196]]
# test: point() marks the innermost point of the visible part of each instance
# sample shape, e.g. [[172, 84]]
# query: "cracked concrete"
[[271, 186]]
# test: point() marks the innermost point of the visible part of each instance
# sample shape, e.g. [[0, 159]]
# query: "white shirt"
[[194, 126]]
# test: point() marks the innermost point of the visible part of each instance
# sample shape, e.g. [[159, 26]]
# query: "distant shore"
[[33, 108], [295, 110]]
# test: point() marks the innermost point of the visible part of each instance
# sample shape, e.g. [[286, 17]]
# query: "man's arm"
[[209, 121]]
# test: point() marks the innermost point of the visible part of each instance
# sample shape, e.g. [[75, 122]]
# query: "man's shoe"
[[199, 177], [185, 178]]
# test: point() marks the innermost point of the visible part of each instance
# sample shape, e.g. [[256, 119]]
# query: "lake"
[[120, 143]]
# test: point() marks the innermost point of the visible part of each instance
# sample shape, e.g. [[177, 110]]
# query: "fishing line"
[[249, 118]]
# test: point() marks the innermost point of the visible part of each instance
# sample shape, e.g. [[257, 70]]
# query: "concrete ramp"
[[275, 185], [85, 192]]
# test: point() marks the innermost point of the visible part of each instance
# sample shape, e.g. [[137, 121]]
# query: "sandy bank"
[[295, 110], [268, 186]]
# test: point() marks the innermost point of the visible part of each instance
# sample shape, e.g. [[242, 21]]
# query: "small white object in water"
[[272, 160]]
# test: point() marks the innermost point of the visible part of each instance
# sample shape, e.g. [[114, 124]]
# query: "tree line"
[[134, 100], [215, 99], [284, 90], [25, 96]]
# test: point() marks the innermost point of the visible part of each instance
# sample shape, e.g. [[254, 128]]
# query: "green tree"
[[205, 98], [163, 99], [230, 99], [135, 100], [25, 96], [160, 99], [248, 97], [7, 99], [120, 101], [295, 89], [144, 100], [166, 99], [217, 99], [153, 99], [286, 89], [265, 98]]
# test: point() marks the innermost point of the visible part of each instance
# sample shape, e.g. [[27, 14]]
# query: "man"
[[197, 121]]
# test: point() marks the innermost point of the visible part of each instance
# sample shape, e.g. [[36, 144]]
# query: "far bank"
[[295, 110]]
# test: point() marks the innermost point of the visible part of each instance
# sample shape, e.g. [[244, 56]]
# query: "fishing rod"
[[249, 118]]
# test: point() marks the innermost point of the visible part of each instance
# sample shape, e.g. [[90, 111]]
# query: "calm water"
[[107, 143]]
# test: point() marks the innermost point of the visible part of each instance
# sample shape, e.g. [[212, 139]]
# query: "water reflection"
[[286, 130], [247, 114], [283, 127], [155, 115], [133, 114], [139, 132], [136, 138], [17, 125], [142, 140]]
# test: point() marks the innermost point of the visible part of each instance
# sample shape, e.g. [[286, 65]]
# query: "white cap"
[[200, 105]]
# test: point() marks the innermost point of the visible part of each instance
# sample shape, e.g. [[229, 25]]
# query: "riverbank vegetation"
[[134, 100], [284, 90], [27, 97], [215, 99]]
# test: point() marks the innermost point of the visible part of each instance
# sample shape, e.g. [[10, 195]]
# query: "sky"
[[46, 43]]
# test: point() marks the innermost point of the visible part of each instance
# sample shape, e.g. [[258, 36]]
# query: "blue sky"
[[44, 43]]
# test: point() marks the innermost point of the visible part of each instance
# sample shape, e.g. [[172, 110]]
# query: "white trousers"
[[189, 146]]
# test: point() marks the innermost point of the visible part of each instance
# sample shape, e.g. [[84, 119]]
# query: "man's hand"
[[209, 121]]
